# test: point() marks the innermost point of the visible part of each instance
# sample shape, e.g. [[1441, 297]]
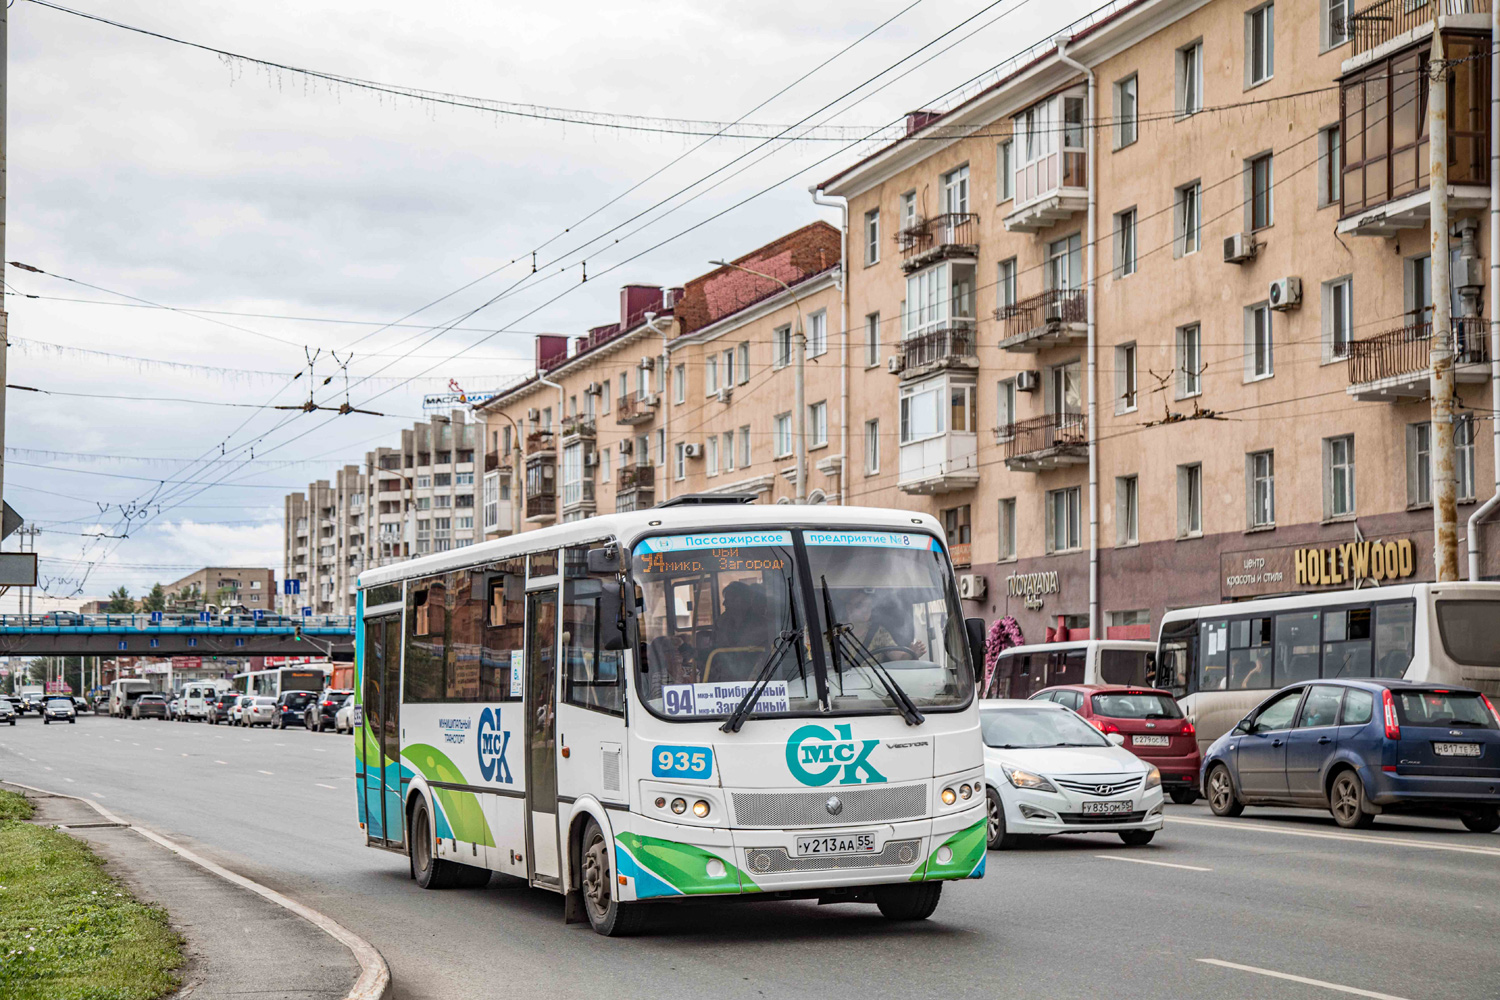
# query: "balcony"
[[1392, 367], [578, 496], [1054, 441], [540, 443], [954, 234], [1398, 20], [948, 346], [942, 464], [635, 409], [1055, 318], [577, 428], [541, 509], [635, 488], [1052, 163], [491, 461]]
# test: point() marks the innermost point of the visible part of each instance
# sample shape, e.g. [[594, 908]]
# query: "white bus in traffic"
[[1022, 671], [1222, 661], [123, 693], [700, 699], [274, 680]]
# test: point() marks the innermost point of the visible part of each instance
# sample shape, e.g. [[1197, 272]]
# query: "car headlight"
[[1153, 777], [1025, 779]]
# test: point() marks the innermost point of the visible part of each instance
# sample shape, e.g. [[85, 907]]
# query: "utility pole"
[[4, 320], [1440, 342]]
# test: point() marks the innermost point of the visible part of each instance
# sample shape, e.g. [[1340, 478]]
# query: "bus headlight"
[[949, 796], [700, 808], [679, 805], [964, 791]]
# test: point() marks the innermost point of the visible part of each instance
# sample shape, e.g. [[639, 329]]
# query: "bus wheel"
[[431, 871], [913, 901], [607, 915]]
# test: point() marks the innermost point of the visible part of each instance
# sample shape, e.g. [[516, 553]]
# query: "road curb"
[[374, 981]]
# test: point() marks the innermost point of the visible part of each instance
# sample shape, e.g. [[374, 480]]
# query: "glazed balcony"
[[1389, 21], [1393, 366], [953, 234], [1053, 441], [635, 489], [944, 463], [950, 345], [635, 408], [578, 496], [1055, 318]]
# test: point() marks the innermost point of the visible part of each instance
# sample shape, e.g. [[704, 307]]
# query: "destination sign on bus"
[[713, 540], [873, 539], [721, 699]]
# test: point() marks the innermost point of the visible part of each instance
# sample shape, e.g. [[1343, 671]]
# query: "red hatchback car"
[[1150, 724]]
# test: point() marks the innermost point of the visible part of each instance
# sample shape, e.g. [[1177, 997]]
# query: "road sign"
[[17, 569], [9, 521]]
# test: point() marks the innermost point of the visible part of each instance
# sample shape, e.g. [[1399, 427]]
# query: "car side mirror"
[[1245, 725], [974, 629], [1116, 739]]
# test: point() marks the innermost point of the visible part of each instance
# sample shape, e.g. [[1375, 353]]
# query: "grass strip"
[[70, 931]]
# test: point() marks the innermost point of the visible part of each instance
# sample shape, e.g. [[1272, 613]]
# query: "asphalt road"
[[1260, 906]]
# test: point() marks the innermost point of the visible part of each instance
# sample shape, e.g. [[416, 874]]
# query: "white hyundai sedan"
[[1049, 771]]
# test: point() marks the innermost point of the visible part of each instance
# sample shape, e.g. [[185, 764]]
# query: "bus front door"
[[541, 736], [380, 737]]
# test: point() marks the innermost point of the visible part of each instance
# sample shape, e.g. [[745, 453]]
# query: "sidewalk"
[[238, 944]]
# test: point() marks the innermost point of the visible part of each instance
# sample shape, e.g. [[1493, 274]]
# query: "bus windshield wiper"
[[784, 641], [843, 632]]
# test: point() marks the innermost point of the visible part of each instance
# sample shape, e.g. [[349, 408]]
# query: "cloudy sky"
[[277, 214]]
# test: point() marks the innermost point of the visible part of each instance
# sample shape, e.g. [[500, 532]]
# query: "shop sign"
[[1033, 587], [1298, 568]]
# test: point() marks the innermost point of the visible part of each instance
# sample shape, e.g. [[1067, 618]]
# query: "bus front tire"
[[912, 901], [607, 914], [431, 871], [1221, 797]]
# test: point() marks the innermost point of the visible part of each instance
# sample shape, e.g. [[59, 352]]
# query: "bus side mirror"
[[611, 614], [605, 560], [974, 628]]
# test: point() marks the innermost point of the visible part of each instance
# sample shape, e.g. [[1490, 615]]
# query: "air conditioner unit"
[[626, 446], [648, 399], [693, 450], [590, 459], [647, 363], [1239, 248], [1028, 381], [895, 364], [724, 394], [533, 414], [1286, 294], [593, 389], [971, 586]]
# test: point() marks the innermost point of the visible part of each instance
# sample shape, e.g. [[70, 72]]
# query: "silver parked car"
[[259, 711]]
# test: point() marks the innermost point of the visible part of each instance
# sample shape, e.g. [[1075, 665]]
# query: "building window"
[[711, 455], [1260, 492], [872, 447], [1418, 291], [728, 451], [643, 450], [1127, 510], [1338, 476], [1007, 528], [781, 340], [710, 376], [745, 447], [1005, 285], [1190, 79], [424, 482], [1064, 530], [1419, 464], [938, 296], [661, 447], [1189, 500], [817, 334], [679, 384], [1005, 166], [1260, 45], [959, 533], [1259, 209], [604, 465], [1259, 362], [1189, 360], [1338, 322], [1126, 125], [909, 210], [1125, 243], [1330, 165], [921, 411], [1005, 405], [872, 237], [1125, 378], [1335, 23], [782, 435], [1188, 219], [679, 461], [1463, 455], [872, 340], [956, 191], [742, 369], [817, 424], [1064, 266]]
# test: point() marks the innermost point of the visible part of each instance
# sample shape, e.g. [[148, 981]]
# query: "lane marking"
[[319, 750], [267, 772], [1301, 979], [221, 762], [1324, 835], [1143, 861], [329, 787], [69, 781]]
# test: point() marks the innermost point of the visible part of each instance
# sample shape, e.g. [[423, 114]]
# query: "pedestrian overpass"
[[62, 633]]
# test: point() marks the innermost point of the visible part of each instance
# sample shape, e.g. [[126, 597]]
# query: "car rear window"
[[150, 697], [1470, 633], [298, 700], [1442, 708], [338, 695], [1125, 705], [265, 701]]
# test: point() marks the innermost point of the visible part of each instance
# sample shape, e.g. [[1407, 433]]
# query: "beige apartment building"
[[253, 587], [1145, 324], [325, 543]]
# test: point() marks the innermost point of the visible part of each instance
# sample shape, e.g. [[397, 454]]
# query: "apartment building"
[[253, 587], [325, 543], [692, 389]]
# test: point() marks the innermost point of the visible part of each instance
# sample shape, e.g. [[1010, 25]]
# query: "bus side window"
[[1213, 656], [1067, 667], [1250, 654], [1395, 627], [501, 650], [1346, 642]]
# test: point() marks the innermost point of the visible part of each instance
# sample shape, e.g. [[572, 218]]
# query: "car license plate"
[[1106, 808], [840, 843], [1150, 741], [1456, 749]]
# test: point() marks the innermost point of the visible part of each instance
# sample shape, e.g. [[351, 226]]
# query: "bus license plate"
[[842, 843], [1150, 741], [1106, 808], [1456, 749]]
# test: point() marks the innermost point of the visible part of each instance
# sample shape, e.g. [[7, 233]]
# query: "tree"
[[156, 600], [120, 602]]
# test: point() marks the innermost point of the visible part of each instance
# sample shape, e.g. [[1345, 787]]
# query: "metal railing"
[[540, 441], [959, 229], [172, 620], [633, 409], [541, 505], [1037, 312], [636, 477], [578, 426], [1378, 23], [1040, 434], [1405, 351], [951, 343]]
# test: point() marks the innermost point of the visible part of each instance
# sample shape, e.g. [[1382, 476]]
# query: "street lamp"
[[799, 351]]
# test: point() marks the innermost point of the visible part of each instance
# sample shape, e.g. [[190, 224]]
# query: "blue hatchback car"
[[1359, 748]]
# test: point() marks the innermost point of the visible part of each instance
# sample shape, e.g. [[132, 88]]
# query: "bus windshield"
[[722, 609]]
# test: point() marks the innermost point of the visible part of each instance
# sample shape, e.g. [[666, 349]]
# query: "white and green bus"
[[703, 699]]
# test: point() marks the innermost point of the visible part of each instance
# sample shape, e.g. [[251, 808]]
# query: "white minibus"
[[706, 698], [1022, 671], [1222, 661]]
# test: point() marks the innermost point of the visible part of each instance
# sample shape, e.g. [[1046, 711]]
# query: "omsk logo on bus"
[[493, 742], [815, 757]]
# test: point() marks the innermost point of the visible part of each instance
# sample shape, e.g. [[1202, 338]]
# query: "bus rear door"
[[380, 733]]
